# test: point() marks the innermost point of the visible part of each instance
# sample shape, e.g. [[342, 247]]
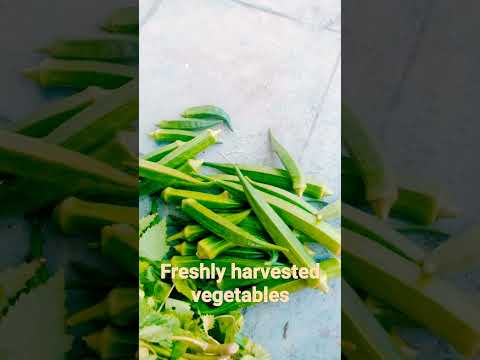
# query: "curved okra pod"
[[80, 74], [76, 216], [267, 175], [120, 307], [113, 48], [223, 228], [192, 125], [216, 202], [299, 182], [166, 135], [50, 116], [280, 232], [190, 149], [208, 112], [380, 184], [123, 20]]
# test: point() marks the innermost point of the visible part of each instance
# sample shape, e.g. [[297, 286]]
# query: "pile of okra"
[[246, 214], [390, 282], [75, 155]]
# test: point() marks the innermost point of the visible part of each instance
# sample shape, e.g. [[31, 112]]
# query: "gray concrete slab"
[[270, 64]]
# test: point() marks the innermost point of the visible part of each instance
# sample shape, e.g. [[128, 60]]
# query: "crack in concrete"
[[151, 12], [322, 101], [267, 10]]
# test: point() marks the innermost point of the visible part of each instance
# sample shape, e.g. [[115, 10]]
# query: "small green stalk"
[[380, 185], [432, 302], [208, 112], [190, 149], [280, 232], [120, 243], [224, 228], [271, 176], [113, 343], [162, 151], [196, 232], [75, 216], [166, 135], [360, 328], [113, 48], [52, 115], [212, 246], [299, 182], [191, 166], [367, 225], [120, 307], [79, 74], [192, 125], [215, 202], [123, 20], [458, 253]]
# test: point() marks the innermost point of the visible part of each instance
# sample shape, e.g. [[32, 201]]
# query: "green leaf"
[[153, 243], [145, 222]]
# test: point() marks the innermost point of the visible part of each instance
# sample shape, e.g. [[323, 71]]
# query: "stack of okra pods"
[[80, 145], [391, 282], [252, 216]]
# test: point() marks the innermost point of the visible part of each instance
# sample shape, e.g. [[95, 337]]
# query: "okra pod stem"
[[212, 246], [113, 343], [120, 243], [191, 166], [80, 74], [114, 48], [76, 216], [431, 302], [380, 184], [224, 228], [186, 248], [276, 177], [299, 182], [120, 307]]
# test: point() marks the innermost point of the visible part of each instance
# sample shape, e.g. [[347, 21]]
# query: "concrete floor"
[[270, 64]]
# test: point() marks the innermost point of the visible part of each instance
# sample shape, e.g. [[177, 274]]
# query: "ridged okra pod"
[[120, 308], [162, 151], [166, 135], [192, 125], [120, 243], [208, 112], [212, 201], [76, 216]]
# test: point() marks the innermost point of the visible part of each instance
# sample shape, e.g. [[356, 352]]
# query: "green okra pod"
[[380, 185], [330, 211], [113, 343], [186, 248], [75, 216], [361, 329], [432, 302], [367, 225], [212, 201], [196, 232], [192, 125], [212, 246], [320, 231], [114, 48], [123, 20], [458, 253], [267, 175], [120, 308], [80, 74], [53, 164], [208, 112], [162, 175], [299, 183], [49, 117], [162, 151], [166, 135], [223, 228], [120, 243], [280, 232], [120, 151], [190, 149]]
